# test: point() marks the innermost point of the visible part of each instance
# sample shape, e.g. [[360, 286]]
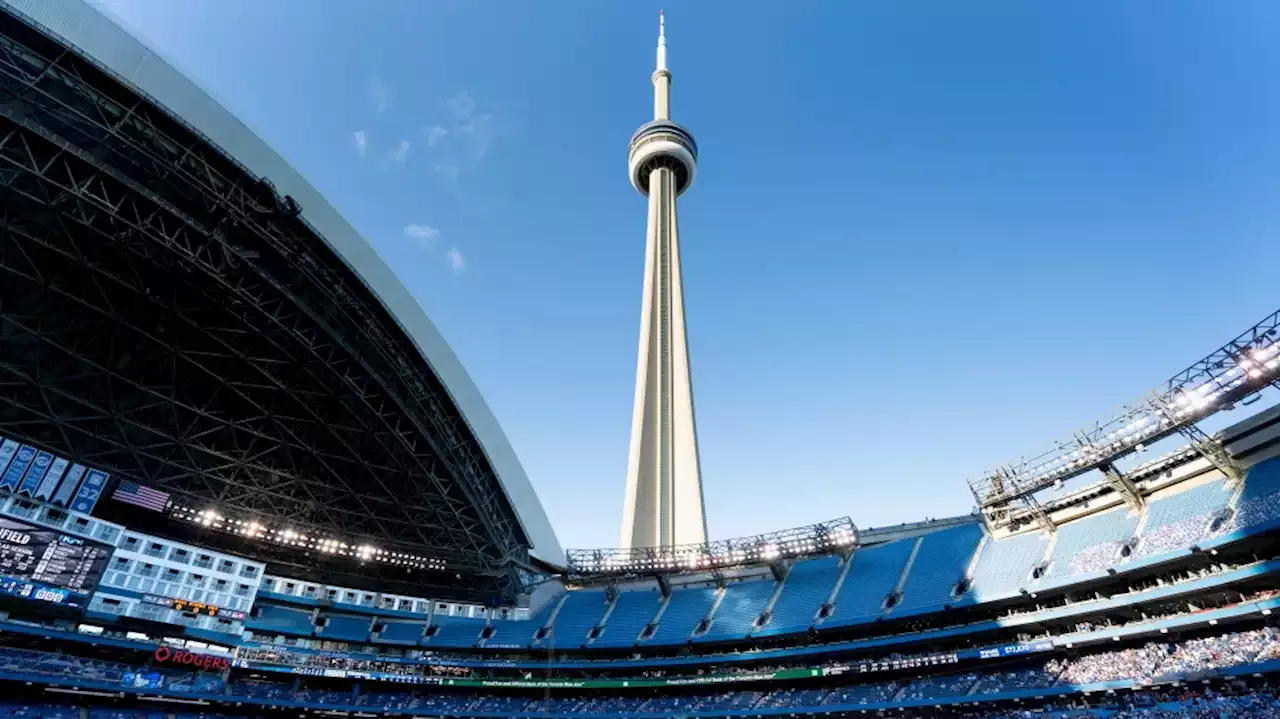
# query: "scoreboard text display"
[[47, 565]]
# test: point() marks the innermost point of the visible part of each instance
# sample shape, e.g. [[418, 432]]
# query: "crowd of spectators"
[[1140, 663]]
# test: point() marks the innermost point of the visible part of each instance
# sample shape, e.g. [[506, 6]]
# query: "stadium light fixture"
[[836, 535]]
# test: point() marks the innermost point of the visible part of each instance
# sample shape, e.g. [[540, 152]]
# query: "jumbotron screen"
[[48, 566]]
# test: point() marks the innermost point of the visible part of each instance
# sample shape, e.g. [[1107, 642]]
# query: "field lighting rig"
[[770, 548], [1242, 367]]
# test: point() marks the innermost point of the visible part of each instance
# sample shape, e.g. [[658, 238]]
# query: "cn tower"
[[664, 483]]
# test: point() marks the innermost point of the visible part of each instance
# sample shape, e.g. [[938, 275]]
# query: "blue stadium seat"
[[583, 609], [1005, 564], [738, 610], [455, 632], [631, 613], [1091, 544], [1259, 502], [1179, 520], [345, 628], [940, 563], [520, 632], [686, 608], [807, 588], [873, 576], [285, 620], [397, 632]]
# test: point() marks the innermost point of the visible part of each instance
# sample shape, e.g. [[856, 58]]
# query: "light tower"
[[664, 483]]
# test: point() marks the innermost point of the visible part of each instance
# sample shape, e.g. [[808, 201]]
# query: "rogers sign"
[[207, 662]]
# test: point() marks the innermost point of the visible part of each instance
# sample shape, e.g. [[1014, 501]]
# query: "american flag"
[[138, 495]]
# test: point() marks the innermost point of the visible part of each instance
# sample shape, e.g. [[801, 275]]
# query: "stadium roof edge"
[[105, 39]]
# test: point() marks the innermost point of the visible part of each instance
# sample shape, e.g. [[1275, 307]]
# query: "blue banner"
[[35, 474], [21, 460], [69, 484], [94, 482], [7, 448], [50, 481]]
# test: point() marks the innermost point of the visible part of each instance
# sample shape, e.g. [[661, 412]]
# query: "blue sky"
[[926, 237]]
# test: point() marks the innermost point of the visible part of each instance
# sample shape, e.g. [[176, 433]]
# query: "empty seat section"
[[940, 564], [583, 610], [686, 608], [346, 628], [394, 632], [285, 620], [1091, 544], [873, 576], [455, 632], [807, 588], [632, 612], [1260, 500], [738, 610], [1180, 520], [1005, 564], [520, 632]]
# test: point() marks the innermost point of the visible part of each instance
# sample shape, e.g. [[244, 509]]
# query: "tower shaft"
[[664, 504]]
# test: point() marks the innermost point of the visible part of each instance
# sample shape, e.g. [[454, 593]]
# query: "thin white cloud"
[[456, 262], [479, 133], [362, 142], [379, 94], [424, 235], [446, 170], [461, 105], [435, 135], [400, 154]]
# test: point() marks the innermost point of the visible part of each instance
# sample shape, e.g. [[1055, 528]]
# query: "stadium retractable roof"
[[179, 306]]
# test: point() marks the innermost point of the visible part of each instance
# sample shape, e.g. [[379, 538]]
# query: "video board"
[[46, 565]]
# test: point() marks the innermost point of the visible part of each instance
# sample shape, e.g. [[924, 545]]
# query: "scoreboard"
[[46, 565]]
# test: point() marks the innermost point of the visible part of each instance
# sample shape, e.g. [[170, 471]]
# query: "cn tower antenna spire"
[[664, 480], [662, 41]]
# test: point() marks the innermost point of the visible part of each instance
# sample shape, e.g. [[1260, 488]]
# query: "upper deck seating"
[[738, 611], [631, 613], [1004, 565], [455, 631], [401, 632], [684, 610], [1091, 544], [940, 564], [286, 620], [808, 585], [582, 611], [1260, 500], [345, 628], [520, 632], [875, 573], [1181, 519]]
